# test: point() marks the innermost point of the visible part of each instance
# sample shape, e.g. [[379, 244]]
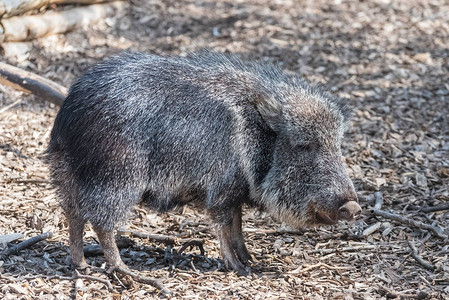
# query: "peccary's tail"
[[53, 148]]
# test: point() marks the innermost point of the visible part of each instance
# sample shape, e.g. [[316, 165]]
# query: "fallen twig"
[[444, 206], [318, 265], [435, 230], [378, 212], [142, 279], [344, 249], [274, 231], [161, 238], [8, 238], [370, 230], [418, 258], [3, 109], [95, 249], [31, 181], [379, 200], [342, 236], [27, 243], [192, 243], [79, 285], [94, 278], [76, 275], [390, 294], [165, 239], [119, 281]]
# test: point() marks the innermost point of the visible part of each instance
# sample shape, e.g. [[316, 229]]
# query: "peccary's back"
[[174, 129]]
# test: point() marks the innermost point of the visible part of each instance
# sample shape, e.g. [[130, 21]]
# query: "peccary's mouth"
[[349, 211], [323, 218]]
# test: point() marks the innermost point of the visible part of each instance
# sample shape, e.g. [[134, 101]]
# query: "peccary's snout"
[[349, 211], [347, 208]]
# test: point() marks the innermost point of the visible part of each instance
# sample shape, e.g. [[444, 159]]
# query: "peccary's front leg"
[[238, 242], [110, 249], [227, 250], [232, 247]]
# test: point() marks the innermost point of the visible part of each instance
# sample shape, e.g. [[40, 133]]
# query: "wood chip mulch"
[[390, 59]]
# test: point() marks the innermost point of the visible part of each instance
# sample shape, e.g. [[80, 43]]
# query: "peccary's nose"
[[349, 211]]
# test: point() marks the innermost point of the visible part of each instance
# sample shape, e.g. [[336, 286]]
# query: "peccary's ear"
[[344, 109], [341, 104], [270, 109]]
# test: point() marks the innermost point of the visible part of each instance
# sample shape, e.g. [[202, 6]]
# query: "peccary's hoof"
[[81, 266], [244, 257], [243, 271], [237, 267], [120, 268]]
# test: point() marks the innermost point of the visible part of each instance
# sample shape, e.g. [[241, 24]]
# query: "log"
[[11, 8], [23, 28], [31, 83]]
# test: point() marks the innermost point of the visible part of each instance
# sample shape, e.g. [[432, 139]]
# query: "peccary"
[[208, 128]]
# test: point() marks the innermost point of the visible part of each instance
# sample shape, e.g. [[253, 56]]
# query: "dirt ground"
[[389, 59]]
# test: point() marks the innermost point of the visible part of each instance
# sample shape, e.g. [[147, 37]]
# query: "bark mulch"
[[390, 59]]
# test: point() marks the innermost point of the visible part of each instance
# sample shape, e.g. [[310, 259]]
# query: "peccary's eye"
[[310, 147]]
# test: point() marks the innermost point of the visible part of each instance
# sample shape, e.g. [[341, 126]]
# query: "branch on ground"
[[438, 232], [31, 83], [27, 243]]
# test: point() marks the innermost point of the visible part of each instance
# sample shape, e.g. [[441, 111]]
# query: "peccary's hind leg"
[[238, 242], [110, 249], [76, 231], [112, 255]]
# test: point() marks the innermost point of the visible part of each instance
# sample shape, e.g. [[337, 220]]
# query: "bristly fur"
[[210, 128]]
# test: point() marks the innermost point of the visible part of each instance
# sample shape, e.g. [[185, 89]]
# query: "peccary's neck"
[[261, 161]]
